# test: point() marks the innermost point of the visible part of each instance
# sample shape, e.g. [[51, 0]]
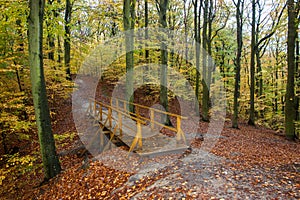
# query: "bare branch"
[[274, 27]]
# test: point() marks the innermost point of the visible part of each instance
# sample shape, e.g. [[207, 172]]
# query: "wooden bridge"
[[140, 133]]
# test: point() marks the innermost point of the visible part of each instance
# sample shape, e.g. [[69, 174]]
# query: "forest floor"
[[245, 163]]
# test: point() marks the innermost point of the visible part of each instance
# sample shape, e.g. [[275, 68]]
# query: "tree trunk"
[[67, 39], [163, 6], [59, 48], [35, 37], [205, 98], [259, 74], [19, 80], [146, 31], [290, 112], [276, 76], [50, 35], [185, 23], [239, 19], [252, 68], [297, 76], [128, 22], [197, 40]]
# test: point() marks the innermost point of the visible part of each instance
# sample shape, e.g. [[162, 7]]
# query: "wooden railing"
[[120, 107]]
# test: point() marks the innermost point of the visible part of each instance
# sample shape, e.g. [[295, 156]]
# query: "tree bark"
[[239, 36], [163, 6], [67, 39], [205, 98], [146, 31], [251, 120], [297, 76], [128, 22], [290, 112], [46, 139], [197, 40], [50, 35]]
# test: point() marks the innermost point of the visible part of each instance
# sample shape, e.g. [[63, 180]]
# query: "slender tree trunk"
[[290, 112], [297, 76], [50, 35], [239, 36], [185, 23], [3, 139], [252, 68], [67, 39], [59, 48], [20, 53], [19, 80], [197, 40], [35, 37], [210, 67], [172, 20], [276, 77], [259, 73], [146, 30], [59, 51], [147, 57]]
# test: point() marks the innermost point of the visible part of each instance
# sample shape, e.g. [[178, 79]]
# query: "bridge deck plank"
[[154, 142]]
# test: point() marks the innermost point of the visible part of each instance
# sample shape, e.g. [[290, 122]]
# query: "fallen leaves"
[[249, 163]]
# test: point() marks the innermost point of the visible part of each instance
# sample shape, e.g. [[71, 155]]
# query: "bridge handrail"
[[135, 116], [146, 107]]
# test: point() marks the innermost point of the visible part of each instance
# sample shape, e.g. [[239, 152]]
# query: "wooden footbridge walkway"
[[141, 134]]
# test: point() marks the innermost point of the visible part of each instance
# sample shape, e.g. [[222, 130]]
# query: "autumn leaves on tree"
[[259, 68]]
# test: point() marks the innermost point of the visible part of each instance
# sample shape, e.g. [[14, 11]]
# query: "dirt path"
[[245, 163], [205, 175]]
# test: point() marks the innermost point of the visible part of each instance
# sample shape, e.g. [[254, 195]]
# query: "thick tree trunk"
[[205, 98], [290, 112], [239, 35], [47, 144], [252, 68], [128, 22], [163, 6]]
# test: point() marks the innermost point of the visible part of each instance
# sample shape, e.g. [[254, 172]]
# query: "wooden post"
[[117, 104], [152, 118], [100, 111], [95, 106], [109, 116], [178, 128], [137, 110], [120, 123], [139, 134], [137, 138], [101, 139], [124, 105], [179, 131], [89, 110]]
